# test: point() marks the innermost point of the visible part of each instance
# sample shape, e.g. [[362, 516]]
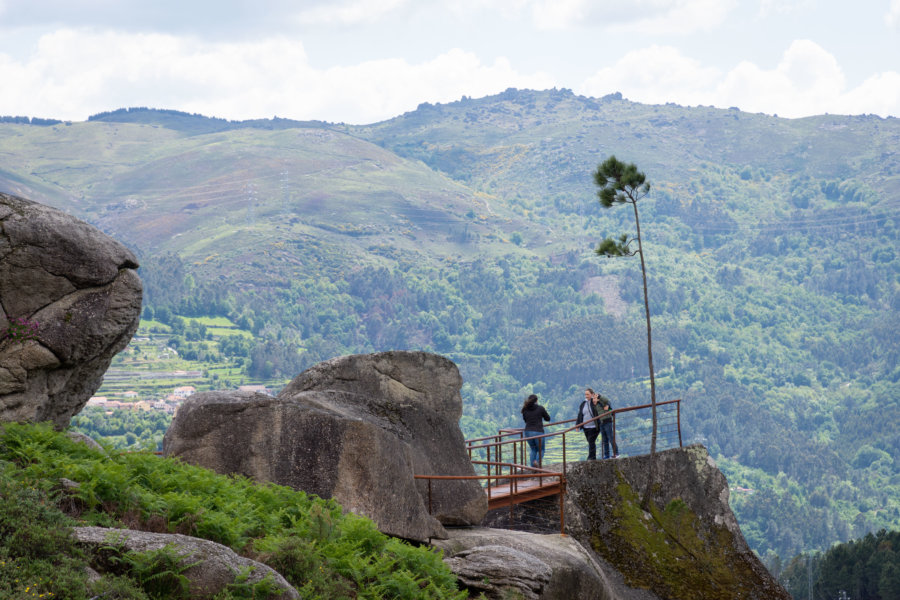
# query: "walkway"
[[510, 482], [522, 490]]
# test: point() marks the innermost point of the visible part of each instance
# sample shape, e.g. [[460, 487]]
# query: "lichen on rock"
[[684, 544], [80, 291]]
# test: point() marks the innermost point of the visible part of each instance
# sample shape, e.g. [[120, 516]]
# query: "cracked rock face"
[[514, 564], [684, 542], [354, 428], [79, 290]]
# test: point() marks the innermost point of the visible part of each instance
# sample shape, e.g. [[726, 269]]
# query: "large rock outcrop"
[[503, 564], [684, 544], [354, 428], [81, 289], [211, 567]]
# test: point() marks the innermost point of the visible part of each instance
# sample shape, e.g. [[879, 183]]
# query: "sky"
[[364, 61]]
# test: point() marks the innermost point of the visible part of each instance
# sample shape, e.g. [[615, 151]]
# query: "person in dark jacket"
[[587, 410], [606, 427], [534, 415]]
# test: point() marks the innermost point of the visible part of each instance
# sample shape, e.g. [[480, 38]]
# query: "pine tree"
[[622, 183]]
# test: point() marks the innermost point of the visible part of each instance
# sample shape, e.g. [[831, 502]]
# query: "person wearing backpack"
[[606, 427]]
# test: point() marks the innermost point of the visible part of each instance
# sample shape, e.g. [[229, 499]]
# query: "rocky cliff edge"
[[684, 543]]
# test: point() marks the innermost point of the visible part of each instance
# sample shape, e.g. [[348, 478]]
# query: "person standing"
[[534, 415], [587, 410], [606, 426]]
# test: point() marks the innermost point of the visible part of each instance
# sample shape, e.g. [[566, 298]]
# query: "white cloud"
[[768, 8], [509, 9], [383, 89], [807, 81], [76, 73], [892, 17], [682, 17], [879, 95], [655, 75], [559, 14], [73, 73], [650, 17], [350, 12]]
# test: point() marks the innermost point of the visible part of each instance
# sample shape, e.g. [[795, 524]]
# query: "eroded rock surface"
[[500, 563], [354, 428], [685, 543], [80, 287]]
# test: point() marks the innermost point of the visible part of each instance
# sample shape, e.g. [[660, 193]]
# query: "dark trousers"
[[608, 438], [590, 434]]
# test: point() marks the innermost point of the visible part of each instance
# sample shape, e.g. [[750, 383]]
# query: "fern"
[[321, 551]]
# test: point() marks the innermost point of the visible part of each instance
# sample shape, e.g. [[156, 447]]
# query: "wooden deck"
[[522, 490]]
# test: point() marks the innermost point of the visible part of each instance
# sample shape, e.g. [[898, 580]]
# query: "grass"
[[38, 558], [319, 549]]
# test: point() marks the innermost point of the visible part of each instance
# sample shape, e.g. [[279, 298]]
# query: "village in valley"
[[169, 404], [163, 365], [132, 401]]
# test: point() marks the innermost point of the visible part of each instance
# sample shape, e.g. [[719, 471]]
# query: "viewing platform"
[[499, 460]]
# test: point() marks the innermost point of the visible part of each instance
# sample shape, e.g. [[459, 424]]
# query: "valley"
[[468, 229]]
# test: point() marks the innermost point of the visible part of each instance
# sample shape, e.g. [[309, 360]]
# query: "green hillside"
[[467, 229], [321, 550]]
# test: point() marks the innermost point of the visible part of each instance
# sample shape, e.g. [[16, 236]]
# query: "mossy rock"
[[682, 543]]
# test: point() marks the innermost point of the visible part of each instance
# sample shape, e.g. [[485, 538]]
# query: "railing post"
[[430, 509], [523, 446], [562, 503], [613, 442], [678, 411], [497, 470], [541, 449]]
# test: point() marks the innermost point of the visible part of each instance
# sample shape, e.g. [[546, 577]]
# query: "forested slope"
[[467, 229]]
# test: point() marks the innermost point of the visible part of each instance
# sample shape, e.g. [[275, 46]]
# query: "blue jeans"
[[608, 439], [536, 446]]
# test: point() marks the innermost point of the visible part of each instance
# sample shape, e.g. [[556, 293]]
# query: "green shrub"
[[310, 541], [159, 573], [38, 557]]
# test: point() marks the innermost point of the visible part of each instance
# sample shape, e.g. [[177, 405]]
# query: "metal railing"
[[632, 430], [511, 483]]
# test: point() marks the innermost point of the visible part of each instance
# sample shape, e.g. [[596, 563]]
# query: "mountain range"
[[468, 229]]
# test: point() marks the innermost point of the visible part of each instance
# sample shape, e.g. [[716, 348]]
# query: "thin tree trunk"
[[649, 335], [651, 474]]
